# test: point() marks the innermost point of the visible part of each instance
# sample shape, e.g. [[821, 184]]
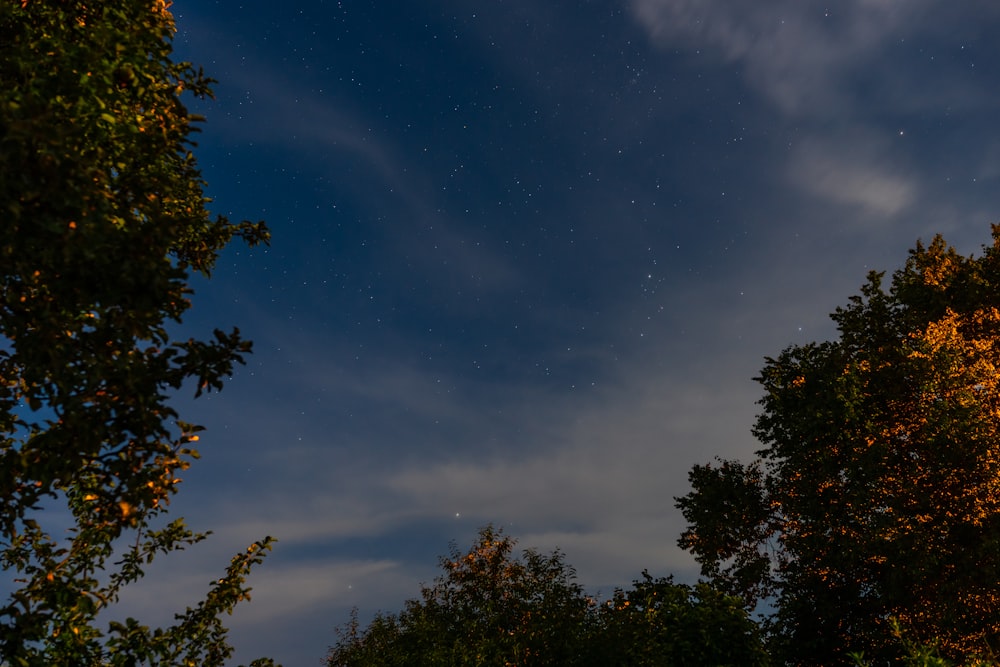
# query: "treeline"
[[869, 521], [492, 607]]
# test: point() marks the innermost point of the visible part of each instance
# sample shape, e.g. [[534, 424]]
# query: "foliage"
[[103, 220], [921, 655], [659, 622], [490, 608], [877, 491]]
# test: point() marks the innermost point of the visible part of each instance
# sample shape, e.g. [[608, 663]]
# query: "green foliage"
[[877, 492], [659, 622], [490, 608], [103, 219], [733, 515]]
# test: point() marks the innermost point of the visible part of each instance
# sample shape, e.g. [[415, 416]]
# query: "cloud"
[[853, 172], [797, 54], [296, 596], [597, 476], [591, 470]]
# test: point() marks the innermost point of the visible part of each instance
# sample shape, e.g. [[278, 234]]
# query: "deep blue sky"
[[527, 257]]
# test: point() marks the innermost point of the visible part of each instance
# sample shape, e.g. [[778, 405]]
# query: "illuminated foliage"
[[102, 219], [876, 497], [922, 655]]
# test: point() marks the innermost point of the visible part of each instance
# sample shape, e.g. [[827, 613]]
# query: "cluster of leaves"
[[876, 496], [103, 220], [492, 608], [921, 655]]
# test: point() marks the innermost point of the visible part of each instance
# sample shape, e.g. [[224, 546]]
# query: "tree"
[[659, 622], [921, 655], [103, 221], [876, 496], [490, 608]]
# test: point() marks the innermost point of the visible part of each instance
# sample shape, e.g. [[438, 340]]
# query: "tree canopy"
[[875, 497], [104, 219], [660, 622], [490, 607]]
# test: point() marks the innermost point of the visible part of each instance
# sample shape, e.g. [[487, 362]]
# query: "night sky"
[[527, 258]]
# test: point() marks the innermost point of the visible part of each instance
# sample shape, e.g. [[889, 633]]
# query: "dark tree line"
[[492, 607]]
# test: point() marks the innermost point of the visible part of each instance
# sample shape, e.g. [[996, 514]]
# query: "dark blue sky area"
[[527, 257]]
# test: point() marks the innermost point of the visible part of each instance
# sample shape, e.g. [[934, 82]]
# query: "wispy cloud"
[[335, 139], [795, 53], [854, 171]]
